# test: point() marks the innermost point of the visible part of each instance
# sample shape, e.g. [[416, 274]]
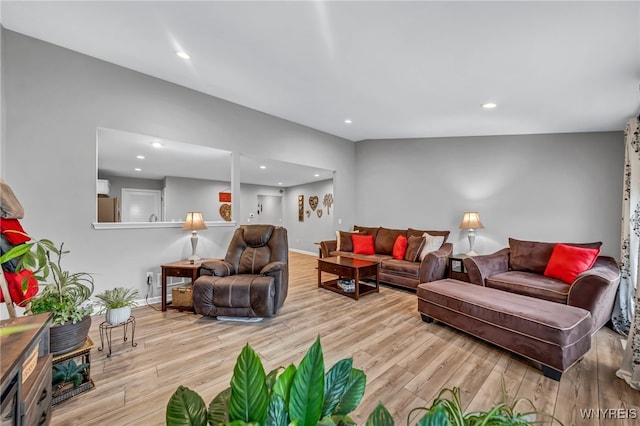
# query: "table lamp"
[[193, 223], [471, 221]]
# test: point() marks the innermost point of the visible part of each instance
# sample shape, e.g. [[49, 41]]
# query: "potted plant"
[[306, 396], [62, 293], [117, 303], [67, 376]]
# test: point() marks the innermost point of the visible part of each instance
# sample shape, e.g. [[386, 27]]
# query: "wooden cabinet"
[[26, 371]]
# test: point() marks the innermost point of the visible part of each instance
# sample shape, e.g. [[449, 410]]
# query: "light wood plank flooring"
[[406, 360]]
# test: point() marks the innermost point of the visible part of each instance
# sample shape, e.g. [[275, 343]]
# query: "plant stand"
[[82, 355], [107, 327]]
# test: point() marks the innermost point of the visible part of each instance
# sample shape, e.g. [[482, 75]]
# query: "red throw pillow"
[[13, 232], [567, 262], [22, 286], [400, 247], [363, 244]]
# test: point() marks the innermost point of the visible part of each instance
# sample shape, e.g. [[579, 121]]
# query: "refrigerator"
[[108, 209]]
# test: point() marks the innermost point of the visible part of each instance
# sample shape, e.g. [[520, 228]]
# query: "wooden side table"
[[181, 268], [457, 271]]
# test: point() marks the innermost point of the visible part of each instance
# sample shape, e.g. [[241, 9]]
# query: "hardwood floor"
[[406, 360]]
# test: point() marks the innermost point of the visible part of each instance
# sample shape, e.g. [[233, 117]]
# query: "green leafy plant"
[[446, 410], [302, 395], [305, 396], [67, 295], [68, 372], [115, 298]]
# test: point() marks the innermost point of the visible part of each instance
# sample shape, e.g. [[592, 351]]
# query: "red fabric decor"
[[567, 262], [363, 244], [13, 232], [20, 296], [400, 247]]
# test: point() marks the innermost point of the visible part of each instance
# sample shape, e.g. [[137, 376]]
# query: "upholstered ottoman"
[[553, 334]]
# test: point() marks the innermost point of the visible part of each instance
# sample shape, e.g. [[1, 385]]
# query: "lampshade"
[[194, 222], [471, 220]]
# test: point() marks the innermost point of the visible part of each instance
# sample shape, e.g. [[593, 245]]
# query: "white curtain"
[[626, 316]]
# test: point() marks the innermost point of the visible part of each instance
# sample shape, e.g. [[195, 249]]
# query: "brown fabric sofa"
[[520, 269], [251, 281], [402, 273]]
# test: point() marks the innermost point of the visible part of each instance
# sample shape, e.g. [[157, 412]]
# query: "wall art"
[[300, 208], [313, 202], [327, 201]]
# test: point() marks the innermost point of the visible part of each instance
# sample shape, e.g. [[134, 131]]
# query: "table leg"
[[357, 283], [378, 279], [163, 306], [319, 276]]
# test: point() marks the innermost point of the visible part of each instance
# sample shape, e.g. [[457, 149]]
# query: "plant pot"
[[68, 336], [118, 315]]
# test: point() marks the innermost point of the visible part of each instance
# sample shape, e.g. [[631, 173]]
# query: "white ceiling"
[[397, 69]]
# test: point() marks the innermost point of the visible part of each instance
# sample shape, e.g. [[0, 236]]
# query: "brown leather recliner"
[[253, 278]]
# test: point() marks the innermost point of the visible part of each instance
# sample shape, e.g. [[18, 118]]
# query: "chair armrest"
[[434, 265], [595, 290], [326, 247], [273, 267], [217, 268], [480, 267]]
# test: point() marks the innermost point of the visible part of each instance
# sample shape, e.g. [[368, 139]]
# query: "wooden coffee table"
[[348, 268]]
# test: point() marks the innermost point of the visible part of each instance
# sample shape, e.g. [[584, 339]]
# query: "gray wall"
[[304, 235], [555, 187], [55, 99], [185, 194]]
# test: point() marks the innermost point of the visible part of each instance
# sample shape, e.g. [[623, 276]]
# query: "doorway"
[[269, 209]]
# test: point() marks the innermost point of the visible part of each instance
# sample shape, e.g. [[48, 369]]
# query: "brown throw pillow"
[[414, 247], [345, 243]]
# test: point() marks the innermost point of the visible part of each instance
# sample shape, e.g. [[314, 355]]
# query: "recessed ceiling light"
[[317, 175], [348, 121], [140, 157], [138, 169], [183, 55], [489, 105], [279, 183], [156, 144], [263, 167]]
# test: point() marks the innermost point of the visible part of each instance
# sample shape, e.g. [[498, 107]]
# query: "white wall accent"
[[556, 187], [56, 98]]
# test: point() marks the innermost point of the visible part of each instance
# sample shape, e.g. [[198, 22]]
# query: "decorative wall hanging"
[[308, 212], [300, 208], [224, 197], [327, 201], [319, 212], [313, 202], [225, 212]]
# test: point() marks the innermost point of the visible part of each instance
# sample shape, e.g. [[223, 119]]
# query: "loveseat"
[[424, 260], [525, 268]]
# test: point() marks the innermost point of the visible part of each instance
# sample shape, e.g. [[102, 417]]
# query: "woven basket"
[[182, 296]]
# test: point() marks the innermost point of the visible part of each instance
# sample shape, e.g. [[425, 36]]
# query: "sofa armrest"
[[217, 268], [434, 265], [480, 267], [595, 290], [326, 247]]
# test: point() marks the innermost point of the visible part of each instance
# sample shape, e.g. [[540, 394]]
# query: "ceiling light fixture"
[[489, 105], [140, 157], [317, 175], [279, 183], [263, 167], [156, 144], [183, 55], [348, 121], [138, 169]]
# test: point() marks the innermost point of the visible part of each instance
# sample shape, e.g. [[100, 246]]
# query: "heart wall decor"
[[313, 202]]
